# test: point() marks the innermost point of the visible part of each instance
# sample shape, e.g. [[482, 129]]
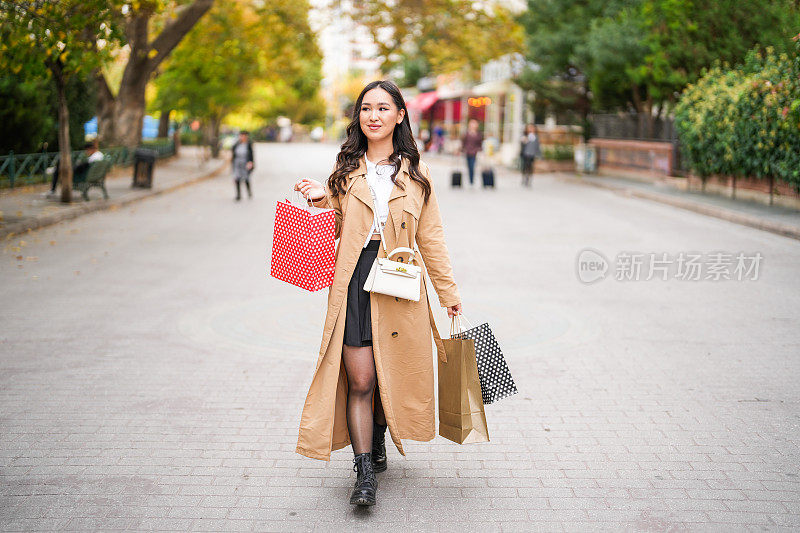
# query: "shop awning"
[[423, 101]]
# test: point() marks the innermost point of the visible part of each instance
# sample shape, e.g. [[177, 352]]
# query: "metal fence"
[[29, 169], [636, 127], [633, 127]]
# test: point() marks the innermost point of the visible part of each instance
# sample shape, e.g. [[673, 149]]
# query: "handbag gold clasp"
[[401, 269]]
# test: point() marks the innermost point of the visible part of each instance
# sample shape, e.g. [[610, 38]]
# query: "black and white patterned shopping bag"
[[495, 378]]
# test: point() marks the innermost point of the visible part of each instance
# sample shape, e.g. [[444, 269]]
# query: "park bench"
[[94, 177]]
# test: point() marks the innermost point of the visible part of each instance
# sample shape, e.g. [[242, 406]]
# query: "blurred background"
[[152, 372], [662, 87]]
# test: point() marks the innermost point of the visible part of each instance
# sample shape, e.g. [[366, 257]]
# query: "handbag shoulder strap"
[[377, 222]]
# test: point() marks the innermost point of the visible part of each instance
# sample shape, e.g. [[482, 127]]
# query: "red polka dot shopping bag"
[[303, 251]]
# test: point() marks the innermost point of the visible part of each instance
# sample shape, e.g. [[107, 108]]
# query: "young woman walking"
[[471, 144], [375, 364], [242, 163], [529, 150]]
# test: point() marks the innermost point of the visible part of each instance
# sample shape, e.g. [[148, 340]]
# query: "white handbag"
[[394, 278]]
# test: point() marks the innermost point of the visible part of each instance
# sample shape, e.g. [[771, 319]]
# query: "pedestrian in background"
[[242, 163], [471, 144], [425, 137], [374, 349], [529, 151], [438, 138]]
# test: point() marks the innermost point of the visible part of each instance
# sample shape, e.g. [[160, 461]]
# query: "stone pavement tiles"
[[169, 397], [29, 207]]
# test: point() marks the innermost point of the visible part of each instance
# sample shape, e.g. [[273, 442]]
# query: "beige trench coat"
[[401, 328]]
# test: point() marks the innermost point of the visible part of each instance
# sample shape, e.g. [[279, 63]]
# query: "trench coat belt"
[[436, 337]]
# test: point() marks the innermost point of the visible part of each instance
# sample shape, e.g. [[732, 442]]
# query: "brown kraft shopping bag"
[[461, 415]]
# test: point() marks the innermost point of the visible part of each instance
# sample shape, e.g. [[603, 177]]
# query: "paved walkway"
[[776, 219], [152, 374], [29, 207]]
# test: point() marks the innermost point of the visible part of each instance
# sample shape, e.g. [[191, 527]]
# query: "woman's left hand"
[[454, 310], [249, 165]]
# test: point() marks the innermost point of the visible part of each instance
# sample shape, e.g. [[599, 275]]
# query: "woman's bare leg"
[[361, 378]]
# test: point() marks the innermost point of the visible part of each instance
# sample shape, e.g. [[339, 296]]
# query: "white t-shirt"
[[96, 156], [379, 179]]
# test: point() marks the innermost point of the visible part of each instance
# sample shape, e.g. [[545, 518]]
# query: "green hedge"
[[558, 152], [744, 121]]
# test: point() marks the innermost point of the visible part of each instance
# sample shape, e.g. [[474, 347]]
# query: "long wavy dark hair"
[[355, 146]]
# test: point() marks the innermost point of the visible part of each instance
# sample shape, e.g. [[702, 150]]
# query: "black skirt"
[[357, 323]]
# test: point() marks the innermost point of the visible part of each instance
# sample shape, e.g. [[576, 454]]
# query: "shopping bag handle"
[[453, 320], [300, 200], [470, 324]]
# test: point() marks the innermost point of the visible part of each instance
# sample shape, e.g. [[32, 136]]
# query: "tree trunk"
[[64, 147], [176, 139], [586, 108], [124, 114], [129, 106], [163, 123], [105, 110], [213, 141], [129, 111], [637, 99], [771, 187], [649, 120]]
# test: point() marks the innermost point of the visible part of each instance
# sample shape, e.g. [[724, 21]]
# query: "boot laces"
[[365, 463]]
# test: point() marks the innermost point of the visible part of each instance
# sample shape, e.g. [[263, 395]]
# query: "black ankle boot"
[[366, 482], [378, 447]]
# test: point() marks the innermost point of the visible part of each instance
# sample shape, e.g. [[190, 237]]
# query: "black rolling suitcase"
[[455, 175], [488, 177]]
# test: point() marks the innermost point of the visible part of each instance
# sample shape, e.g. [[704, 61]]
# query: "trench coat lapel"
[[397, 199], [359, 188]]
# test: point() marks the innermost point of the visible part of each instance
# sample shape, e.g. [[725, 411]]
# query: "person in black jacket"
[[529, 151], [242, 163]]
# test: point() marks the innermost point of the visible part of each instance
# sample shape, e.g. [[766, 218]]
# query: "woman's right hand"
[[310, 188]]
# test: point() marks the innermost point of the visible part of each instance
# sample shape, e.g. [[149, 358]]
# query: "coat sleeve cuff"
[[449, 302], [322, 202]]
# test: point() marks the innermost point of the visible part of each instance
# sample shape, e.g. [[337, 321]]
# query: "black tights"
[[239, 188], [362, 383]]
